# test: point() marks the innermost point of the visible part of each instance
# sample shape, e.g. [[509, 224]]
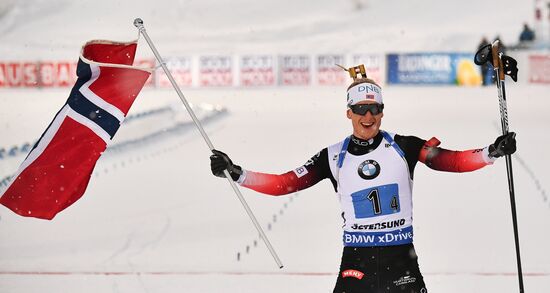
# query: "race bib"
[[376, 201]]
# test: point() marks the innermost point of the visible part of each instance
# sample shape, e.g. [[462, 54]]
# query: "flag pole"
[[138, 23]]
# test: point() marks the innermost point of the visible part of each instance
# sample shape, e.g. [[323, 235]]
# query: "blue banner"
[[367, 239], [433, 68]]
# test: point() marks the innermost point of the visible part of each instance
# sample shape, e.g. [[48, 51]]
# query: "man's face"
[[365, 126]]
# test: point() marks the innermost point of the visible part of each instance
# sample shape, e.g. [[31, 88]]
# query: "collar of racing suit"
[[359, 147]]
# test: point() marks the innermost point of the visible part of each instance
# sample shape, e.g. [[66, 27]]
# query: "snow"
[[53, 28], [155, 220]]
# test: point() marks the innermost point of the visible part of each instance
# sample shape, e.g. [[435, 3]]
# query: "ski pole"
[[499, 68], [138, 23]]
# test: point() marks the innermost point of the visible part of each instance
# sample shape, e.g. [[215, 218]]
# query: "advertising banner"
[[15, 74], [327, 71], [374, 66], [148, 63], [37, 74], [180, 68], [433, 68], [215, 71], [288, 70], [257, 70], [539, 69], [295, 70]]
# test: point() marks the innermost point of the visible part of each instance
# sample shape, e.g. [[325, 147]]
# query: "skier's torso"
[[375, 192], [376, 205]]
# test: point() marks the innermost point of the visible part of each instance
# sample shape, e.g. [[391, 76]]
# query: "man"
[[372, 173], [527, 34]]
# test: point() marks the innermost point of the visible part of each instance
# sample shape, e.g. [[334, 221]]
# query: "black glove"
[[219, 161], [504, 145]]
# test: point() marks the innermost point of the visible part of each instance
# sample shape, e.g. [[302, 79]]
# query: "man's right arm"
[[307, 175]]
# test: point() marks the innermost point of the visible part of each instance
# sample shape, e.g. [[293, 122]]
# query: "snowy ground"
[[155, 220], [53, 28]]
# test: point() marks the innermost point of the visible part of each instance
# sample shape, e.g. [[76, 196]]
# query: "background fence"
[[426, 68]]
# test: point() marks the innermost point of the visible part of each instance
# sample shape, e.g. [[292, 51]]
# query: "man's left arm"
[[465, 161]]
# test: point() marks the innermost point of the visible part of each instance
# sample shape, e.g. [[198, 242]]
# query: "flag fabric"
[[57, 170]]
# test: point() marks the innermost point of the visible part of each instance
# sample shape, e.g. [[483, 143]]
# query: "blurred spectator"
[[483, 43], [502, 47], [485, 67], [359, 4], [527, 35]]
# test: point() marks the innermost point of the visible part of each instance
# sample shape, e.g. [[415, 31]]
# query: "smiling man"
[[372, 174]]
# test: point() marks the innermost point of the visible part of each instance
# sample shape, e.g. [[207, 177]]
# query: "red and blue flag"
[[57, 170]]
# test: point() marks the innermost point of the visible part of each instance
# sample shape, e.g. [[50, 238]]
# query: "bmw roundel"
[[369, 169]]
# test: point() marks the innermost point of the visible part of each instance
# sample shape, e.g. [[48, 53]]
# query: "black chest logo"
[[369, 169]]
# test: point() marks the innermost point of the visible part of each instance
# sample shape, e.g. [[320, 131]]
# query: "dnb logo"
[[369, 169]]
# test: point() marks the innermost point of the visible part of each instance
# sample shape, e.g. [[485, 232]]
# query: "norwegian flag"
[[56, 172]]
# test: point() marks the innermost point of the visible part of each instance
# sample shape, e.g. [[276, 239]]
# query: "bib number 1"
[[376, 201]]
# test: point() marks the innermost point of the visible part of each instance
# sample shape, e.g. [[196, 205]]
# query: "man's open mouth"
[[367, 124]]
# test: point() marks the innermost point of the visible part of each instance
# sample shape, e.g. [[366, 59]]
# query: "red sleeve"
[[277, 184], [453, 161], [315, 170]]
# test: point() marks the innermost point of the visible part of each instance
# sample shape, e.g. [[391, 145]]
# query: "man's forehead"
[[367, 102]]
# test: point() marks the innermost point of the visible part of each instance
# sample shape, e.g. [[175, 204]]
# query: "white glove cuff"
[[242, 177], [485, 154]]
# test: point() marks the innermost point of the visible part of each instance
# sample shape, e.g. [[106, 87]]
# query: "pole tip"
[[280, 267], [138, 22]]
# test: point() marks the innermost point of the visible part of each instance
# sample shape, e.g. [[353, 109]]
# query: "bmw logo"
[[369, 169]]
